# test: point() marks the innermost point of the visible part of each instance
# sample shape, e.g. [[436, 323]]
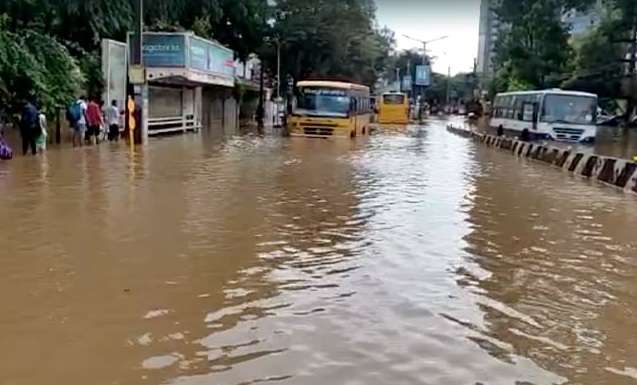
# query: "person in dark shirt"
[[29, 127]]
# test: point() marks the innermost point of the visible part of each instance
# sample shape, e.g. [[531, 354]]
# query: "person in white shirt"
[[40, 142], [112, 119]]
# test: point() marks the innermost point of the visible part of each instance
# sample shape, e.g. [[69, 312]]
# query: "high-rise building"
[[489, 31]]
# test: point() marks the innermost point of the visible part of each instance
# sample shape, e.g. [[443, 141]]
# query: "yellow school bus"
[[330, 109], [393, 108]]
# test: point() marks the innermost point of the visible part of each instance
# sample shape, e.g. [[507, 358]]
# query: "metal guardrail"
[[172, 124]]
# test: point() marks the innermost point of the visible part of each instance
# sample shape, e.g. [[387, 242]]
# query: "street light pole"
[[278, 69], [424, 59], [261, 107], [448, 83], [398, 78]]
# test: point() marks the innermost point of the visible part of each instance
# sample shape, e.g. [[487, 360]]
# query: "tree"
[[240, 25], [597, 65], [63, 45], [34, 65], [602, 63], [331, 38], [533, 50]]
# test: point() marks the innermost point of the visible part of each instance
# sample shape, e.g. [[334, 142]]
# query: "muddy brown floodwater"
[[410, 257]]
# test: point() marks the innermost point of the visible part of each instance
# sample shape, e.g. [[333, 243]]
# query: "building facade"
[[489, 32]]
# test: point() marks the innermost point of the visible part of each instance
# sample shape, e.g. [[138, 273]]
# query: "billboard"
[[164, 50], [189, 52], [423, 75], [211, 57], [198, 54], [220, 60]]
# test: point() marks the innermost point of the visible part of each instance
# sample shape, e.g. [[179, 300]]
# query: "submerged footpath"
[[617, 172]]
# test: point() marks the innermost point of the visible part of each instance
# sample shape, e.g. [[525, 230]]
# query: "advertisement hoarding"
[[220, 60], [187, 51], [164, 50], [198, 54]]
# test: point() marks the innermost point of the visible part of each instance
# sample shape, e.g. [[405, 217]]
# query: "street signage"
[[423, 75]]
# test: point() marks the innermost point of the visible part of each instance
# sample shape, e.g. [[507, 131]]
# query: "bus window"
[[569, 109], [323, 101], [393, 99], [497, 105], [510, 107]]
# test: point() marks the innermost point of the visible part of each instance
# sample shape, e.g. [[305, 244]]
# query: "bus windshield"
[[394, 99], [323, 102], [571, 109]]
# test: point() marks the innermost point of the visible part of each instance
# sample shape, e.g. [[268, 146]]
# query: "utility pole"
[[424, 55], [137, 101], [632, 66], [398, 78], [448, 83], [409, 76], [261, 106], [278, 69]]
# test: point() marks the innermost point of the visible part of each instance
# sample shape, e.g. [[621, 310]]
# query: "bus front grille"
[[324, 131], [562, 133]]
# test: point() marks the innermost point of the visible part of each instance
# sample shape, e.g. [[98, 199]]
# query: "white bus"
[[549, 114]]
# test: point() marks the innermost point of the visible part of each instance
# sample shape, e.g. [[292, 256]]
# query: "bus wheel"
[[364, 128], [352, 134]]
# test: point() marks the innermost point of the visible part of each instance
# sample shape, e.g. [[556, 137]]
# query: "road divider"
[[617, 172]]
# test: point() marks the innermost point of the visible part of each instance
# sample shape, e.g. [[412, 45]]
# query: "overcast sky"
[[430, 19]]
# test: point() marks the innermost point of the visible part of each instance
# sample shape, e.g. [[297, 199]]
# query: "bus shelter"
[[178, 69]]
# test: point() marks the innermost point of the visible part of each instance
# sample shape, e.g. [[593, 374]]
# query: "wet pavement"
[[410, 257]]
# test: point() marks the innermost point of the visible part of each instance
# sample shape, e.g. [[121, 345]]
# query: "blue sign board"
[[423, 75], [164, 50], [184, 50]]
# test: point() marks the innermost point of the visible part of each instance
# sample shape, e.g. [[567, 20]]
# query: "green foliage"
[[597, 66], [48, 48], [534, 44], [330, 38], [238, 24], [535, 50], [34, 65]]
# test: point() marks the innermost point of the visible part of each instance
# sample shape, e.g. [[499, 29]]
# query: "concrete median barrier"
[[616, 172]]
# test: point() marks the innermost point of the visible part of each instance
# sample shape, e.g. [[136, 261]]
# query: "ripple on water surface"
[[409, 257]]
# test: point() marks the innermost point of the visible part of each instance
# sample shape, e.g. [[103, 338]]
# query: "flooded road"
[[410, 257]]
